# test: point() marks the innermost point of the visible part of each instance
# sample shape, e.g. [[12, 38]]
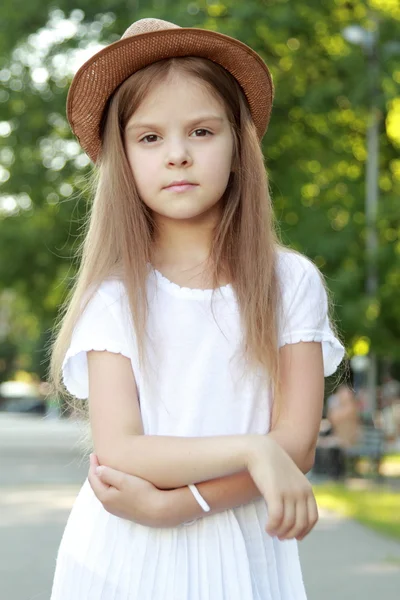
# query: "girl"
[[198, 340]]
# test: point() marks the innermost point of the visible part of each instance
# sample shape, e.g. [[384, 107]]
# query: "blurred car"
[[22, 397]]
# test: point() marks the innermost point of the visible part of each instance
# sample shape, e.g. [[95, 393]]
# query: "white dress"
[[200, 385]]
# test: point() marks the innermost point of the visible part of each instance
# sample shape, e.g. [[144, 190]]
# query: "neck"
[[183, 244]]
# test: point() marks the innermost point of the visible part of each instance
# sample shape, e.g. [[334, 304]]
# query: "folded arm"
[[215, 464], [295, 428], [166, 461]]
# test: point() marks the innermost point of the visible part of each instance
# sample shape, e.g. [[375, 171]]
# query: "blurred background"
[[332, 152]]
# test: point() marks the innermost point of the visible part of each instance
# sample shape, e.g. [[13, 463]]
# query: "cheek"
[[224, 155], [143, 168], [220, 162]]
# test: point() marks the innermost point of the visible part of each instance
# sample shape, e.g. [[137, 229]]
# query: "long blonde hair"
[[119, 230]]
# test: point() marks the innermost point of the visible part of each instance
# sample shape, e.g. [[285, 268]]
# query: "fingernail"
[[99, 470]]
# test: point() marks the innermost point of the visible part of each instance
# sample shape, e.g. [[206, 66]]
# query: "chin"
[[187, 213], [184, 216]]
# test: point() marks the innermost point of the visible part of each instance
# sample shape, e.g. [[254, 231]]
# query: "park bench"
[[370, 446]]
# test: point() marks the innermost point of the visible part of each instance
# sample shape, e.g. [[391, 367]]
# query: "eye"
[[203, 132], [150, 138]]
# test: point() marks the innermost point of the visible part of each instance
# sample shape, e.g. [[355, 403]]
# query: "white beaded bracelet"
[[199, 497]]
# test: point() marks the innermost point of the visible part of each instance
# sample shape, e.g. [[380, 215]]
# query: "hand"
[[292, 509], [127, 496]]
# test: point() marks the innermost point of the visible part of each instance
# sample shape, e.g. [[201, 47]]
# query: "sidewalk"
[[343, 560], [38, 432], [40, 475]]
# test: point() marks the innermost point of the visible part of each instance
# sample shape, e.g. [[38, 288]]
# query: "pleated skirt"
[[226, 556]]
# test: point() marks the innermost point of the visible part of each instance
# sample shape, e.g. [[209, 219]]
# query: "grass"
[[389, 467], [377, 509], [391, 459]]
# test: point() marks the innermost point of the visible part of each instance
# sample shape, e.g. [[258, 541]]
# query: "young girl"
[[199, 341]]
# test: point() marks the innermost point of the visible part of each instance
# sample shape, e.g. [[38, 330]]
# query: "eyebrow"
[[192, 122]]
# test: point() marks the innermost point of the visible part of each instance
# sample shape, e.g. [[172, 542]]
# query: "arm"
[[292, 511], [295, 429], [166, 461]]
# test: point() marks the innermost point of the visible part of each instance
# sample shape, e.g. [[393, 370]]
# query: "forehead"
[[179, 93]]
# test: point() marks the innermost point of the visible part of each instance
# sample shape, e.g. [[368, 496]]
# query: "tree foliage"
[[315, 147]]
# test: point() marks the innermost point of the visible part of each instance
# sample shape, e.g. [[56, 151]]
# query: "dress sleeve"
[[304, 316], [101, 326]]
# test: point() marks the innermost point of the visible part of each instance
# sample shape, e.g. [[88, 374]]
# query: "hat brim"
[[99, 77]]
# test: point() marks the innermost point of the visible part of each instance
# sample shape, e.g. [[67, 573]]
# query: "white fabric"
[[199, 384]]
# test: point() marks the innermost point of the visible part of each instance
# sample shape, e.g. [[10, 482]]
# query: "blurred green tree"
[[315, 148]]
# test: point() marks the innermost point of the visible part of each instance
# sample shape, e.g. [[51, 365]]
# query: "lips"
[[181, 186], [180, 183]]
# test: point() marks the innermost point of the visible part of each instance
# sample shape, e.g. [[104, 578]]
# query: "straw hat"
[[148, 41]]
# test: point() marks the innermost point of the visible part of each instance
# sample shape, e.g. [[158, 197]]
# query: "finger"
[[92, 471], [313, 515], [301, 524], [275, 514], [110, 476], [99, 488], [94, 460], [312, 510], [289, 519]]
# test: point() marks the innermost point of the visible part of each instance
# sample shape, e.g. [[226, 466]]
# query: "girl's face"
[[180, 133]]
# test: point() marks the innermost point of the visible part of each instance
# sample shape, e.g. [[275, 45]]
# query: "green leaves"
[[315, 147]]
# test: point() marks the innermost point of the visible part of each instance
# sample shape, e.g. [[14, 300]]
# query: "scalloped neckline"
[[184, 290]]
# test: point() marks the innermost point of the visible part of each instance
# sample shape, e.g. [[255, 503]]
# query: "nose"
[[178, 154]]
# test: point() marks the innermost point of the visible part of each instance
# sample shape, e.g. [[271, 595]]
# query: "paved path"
[[40, 474], [343, 560]]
